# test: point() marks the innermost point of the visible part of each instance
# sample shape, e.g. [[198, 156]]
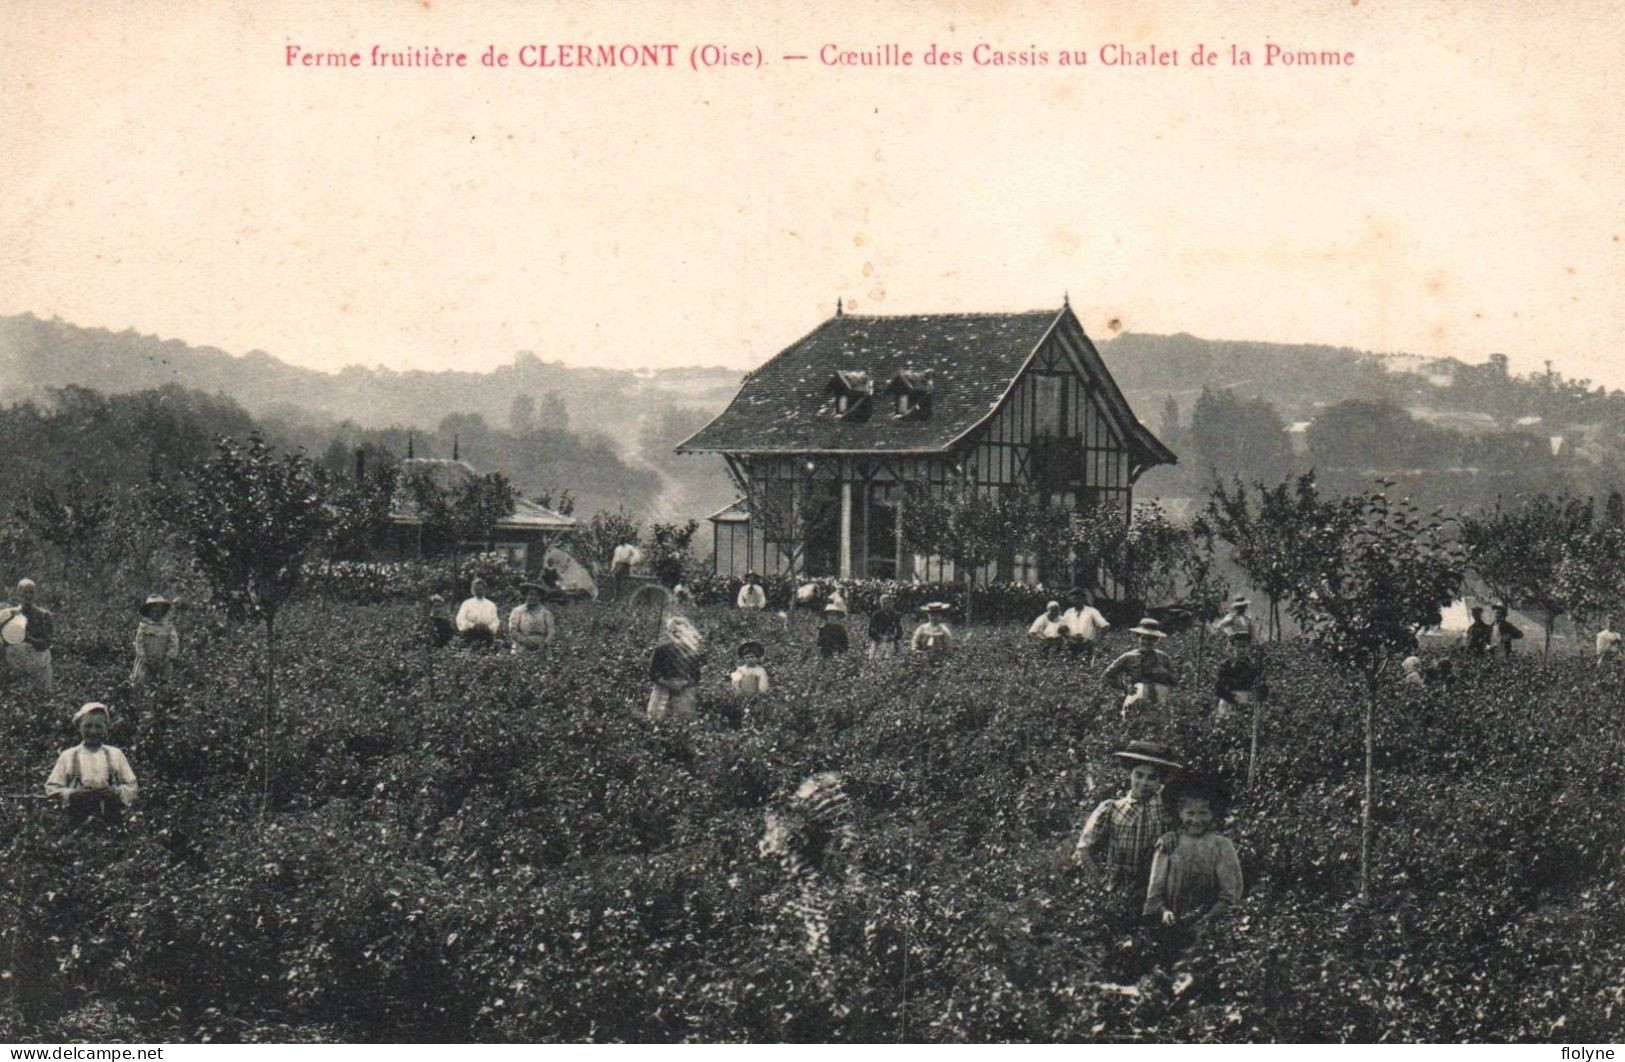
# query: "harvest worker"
[[1241, 677], [933, 637], [885, 628], [530, 626], [1235, 623], [1048, 628], [1083, 622], [1607, 642], [1478, 633], [26, 629], [1503, 632], [477, 621], [620, 563], [832, 639], [1146, 673], [750, 677], [674, 672], [751, 596], [93, 779], [1195, 875], [442, 629], [1120, 836], [157, 643], [1412, 676]]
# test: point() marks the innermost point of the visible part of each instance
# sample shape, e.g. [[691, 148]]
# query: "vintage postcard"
[[696, 522]]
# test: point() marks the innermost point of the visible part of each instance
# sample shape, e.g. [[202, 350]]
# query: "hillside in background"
[[1449, 431]]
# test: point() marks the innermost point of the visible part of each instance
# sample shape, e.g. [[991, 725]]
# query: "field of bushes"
[[482, 847]]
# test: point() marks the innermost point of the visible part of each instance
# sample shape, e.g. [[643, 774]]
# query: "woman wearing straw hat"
[[1146, 673], [530, 625], [157, 643], [1235, 623], [933, 636]]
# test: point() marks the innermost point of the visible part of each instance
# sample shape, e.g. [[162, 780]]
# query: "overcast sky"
[[1457, 191]]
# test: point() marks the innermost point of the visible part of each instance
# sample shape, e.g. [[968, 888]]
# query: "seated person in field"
[[674, 672], [530, 626], [1411, 675], [477, 622], [885, 628], [933, 636], [750, 677], [93, 779], [157, 643], [1083, 622], [442, 628], [1607, 642], [1146, 673], [1120, 836], [27, 629], [752, 597], [1241, 676], [1195, 875], [1048, 628], [832, 637]]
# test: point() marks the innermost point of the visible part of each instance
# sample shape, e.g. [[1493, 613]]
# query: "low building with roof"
[[523, 536], [825, 439]]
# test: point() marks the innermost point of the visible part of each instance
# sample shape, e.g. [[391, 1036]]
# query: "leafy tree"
[[669, 550], [959, 524], [1206, 588], [361, 511], [599, 536], [1367, 588], [1518, 551], [563, 503], [1268, 542], [522, 414], [1229, 433], [69, 516], [253, 517], [1035, 527]]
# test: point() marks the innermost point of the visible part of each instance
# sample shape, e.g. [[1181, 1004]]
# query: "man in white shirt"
[[751, 596], [1084, 623], [620, 565], [477, 621], [93, 779]]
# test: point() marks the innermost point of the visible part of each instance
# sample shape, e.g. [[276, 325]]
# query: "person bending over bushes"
[[93, 779]]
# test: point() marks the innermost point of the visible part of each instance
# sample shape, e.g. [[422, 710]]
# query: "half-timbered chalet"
[[825, 439]]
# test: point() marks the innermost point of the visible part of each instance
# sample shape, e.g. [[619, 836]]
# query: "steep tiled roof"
[[784, 405], [450, 475]]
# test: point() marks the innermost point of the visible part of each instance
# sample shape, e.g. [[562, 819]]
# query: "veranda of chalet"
[[824, 440]]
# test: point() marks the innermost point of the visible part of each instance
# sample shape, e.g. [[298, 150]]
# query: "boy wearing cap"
[[92, 779], [1120, 836], [750, 677], [157, 643], [530, 626], [1147, 673], [832, 637]]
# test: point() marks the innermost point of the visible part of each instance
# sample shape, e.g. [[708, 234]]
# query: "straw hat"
[[936, 608], [1240, 602], [155, 605], [752, 648], [89, 708], [1149, 626], [1152, 752], [1209, 787], [835, 607]]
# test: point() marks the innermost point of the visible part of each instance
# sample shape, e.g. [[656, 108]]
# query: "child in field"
[[885, 629], [832, 637], [94, 780], [1119, 838], [674, 672], [1195, 875], [157, 643], [750, 677]]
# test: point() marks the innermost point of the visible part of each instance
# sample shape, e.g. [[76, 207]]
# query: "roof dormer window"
[[911, 393], [851, 392]]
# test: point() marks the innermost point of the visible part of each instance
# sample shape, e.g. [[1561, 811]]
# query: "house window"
[[842, 403], [514, 553], [903, 403], [1047, 415]]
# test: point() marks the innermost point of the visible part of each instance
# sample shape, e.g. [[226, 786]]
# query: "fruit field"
[[483, 847]]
